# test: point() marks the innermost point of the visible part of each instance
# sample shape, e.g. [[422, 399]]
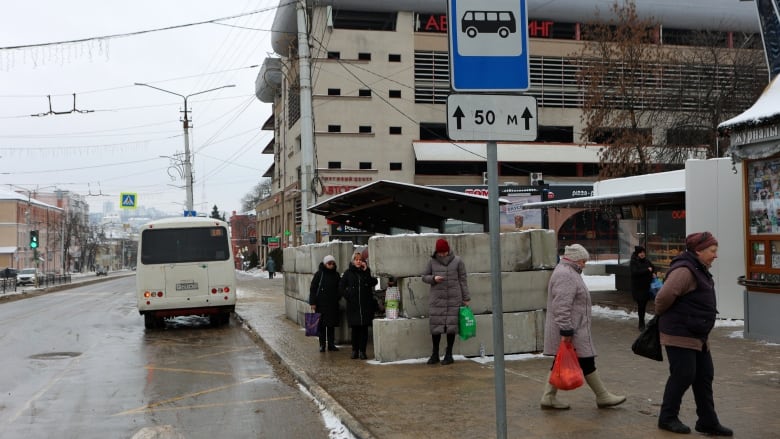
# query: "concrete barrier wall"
[[403, 339], [522, 291], [526, 260]]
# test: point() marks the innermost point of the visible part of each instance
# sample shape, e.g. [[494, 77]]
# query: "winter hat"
[[699, 241], [638, 249], [442, 246], [576, 252], [327, 259]]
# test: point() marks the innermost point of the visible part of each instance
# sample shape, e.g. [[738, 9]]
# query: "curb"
[[350, 422]]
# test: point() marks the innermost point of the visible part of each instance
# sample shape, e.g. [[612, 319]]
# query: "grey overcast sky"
[[117, 146]]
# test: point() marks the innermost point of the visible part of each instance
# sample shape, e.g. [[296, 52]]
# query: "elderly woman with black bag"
[[686, 308]]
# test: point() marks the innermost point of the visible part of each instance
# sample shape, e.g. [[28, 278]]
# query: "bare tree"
[[261, 190], [653, 106]]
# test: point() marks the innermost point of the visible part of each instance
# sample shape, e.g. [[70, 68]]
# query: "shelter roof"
[[658, 196], [382, 205]]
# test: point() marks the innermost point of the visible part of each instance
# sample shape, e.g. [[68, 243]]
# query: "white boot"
[[549, 402], [603, 397]]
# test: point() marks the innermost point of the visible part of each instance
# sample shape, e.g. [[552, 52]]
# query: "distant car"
[[101, 271], [26, 276], [8, 273]]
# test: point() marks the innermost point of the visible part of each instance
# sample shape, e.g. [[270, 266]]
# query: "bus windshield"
[[199, 244]]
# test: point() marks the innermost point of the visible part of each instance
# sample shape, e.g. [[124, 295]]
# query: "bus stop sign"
[[488, 45]]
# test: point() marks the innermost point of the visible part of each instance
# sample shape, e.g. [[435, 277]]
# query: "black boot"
[[332, 339], [322, 347], [448, 354], [362, 355], [716, 430], [354, 355], [674, 425], [435, 339]]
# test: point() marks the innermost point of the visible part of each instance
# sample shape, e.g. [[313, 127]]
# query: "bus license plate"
[[186, 286]]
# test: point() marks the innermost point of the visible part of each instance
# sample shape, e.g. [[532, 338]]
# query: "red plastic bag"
[[566, 372]]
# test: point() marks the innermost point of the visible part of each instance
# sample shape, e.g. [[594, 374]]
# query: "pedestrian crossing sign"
[[128, 200]]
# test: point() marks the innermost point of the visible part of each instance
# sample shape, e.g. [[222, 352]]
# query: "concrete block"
[[288, 253], [294, 309], [297, 285], [404, 339], [544, 252], [407, 255], [341, 250], [521, 291]]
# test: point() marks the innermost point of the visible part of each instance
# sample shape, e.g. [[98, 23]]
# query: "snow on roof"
[[765, 109], [15, 196]]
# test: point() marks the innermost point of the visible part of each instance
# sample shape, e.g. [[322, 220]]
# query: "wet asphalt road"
[[79, 364]]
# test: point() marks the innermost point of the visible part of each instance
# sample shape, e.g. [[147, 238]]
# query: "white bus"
[[185, 267]]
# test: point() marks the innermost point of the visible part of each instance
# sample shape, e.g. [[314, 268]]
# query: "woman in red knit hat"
[[686, 308], [446, 273]]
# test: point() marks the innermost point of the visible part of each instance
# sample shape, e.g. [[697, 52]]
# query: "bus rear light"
[[213, 291], [159, 294], [227, 289], [147, 294]]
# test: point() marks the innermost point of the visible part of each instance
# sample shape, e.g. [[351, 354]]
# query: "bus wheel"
[[220, 319], [152, 322], [503, 32], [471, 32]]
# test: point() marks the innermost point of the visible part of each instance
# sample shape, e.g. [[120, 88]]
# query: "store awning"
[[664, 196], [383, 205]]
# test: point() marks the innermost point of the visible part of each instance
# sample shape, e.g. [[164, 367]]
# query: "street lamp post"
[[186, 121]]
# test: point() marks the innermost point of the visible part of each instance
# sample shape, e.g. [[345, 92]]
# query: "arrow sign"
[[458, 115], [491, 117]]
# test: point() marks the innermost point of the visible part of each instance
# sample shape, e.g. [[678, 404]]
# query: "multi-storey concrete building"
[[379, 84]]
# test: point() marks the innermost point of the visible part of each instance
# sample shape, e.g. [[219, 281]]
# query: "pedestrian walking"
[[686, 306], [270, 266], [357, 286], [569, 319], [446, 273], [324, 298], [642, 274]]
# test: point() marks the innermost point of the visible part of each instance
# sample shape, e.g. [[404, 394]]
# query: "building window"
[[395, 93], [365, 92], [363, 20], [334, 128], [558, 134], [334, 55], [394, 57], [365, 165], [433, 131], [364, 56], [334, 165], [395, 130], [364, 129], [334, 92], [395, 166]]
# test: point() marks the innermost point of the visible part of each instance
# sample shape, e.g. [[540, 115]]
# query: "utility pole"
[[307, 127], [186, 122]]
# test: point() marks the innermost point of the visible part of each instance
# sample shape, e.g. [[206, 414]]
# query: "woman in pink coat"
[[569, 319]]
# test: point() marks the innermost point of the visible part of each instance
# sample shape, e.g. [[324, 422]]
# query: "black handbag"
[[648, 344]]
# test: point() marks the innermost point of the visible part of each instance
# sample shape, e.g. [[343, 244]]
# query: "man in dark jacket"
[[324, 298], [686, 307], [357, 286]]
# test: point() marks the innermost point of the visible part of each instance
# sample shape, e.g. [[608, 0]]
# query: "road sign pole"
[[495, 272]]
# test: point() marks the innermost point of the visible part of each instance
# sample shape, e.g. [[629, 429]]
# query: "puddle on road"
[[55, 355]]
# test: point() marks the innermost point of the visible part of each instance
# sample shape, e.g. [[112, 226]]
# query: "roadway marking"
[[202, 406], [195, 371], [194, 394]]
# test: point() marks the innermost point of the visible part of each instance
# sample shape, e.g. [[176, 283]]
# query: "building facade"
[[379, 84]]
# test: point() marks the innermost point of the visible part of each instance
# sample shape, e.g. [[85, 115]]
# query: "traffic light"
[[33, 239]]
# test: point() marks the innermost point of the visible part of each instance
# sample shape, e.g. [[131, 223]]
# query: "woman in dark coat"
[[357, 286], [324, 298], [446, 273], [642, 273]]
